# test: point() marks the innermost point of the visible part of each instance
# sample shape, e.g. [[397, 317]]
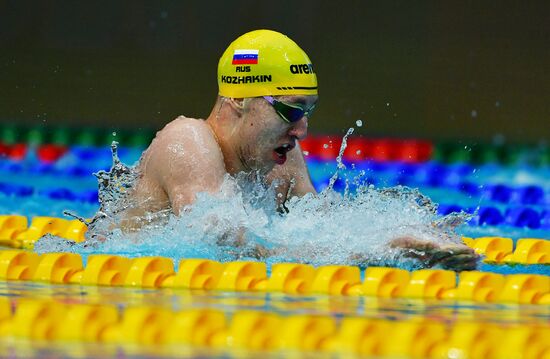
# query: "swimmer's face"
[[265, 137]]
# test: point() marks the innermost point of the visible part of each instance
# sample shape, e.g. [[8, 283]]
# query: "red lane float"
[[50, 153], [324, 148], [361, 149], [17, 151]]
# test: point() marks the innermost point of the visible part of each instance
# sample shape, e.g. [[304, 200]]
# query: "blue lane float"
[[522, 217]]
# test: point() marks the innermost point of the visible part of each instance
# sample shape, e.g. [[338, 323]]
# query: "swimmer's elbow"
[[179, 210], [181, 205], [181, 201]]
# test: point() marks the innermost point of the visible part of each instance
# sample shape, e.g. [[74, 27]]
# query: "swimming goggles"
[[289, 112]]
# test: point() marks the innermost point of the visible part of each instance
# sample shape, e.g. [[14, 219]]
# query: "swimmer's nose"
[[299, 129]]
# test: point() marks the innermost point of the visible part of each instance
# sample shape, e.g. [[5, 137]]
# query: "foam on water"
[[241, 221]]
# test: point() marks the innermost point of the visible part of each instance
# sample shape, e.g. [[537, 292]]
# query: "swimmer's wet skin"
[[456, 257], [267, 92]]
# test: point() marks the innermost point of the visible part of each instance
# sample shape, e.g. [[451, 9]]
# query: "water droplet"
[[325, 146], [359, 123], [358, 152], [306, 153], [114, 133]]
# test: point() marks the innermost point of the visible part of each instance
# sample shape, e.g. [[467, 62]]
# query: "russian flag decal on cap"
[[245, 57]]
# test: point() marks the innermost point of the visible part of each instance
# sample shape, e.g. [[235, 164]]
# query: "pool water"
[[508, 201], [502, 200]]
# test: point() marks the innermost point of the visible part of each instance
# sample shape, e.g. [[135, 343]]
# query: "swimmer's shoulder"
[[184, 121], [185, 141], [182, 124], [187, 131]]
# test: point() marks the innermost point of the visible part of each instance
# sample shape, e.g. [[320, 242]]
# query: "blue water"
[[68, 185]]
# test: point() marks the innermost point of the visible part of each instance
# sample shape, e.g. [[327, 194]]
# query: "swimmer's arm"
[[187, 161], [453, 256], [199, 178]]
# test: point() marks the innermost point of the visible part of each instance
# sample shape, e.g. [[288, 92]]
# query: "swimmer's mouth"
[[280, 153]]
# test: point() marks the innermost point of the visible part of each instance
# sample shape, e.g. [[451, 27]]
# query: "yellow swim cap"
[[262, 63]]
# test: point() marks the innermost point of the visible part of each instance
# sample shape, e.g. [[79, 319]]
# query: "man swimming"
[[267, 93]]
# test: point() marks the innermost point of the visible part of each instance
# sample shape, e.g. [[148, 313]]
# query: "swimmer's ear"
[[236, 103]]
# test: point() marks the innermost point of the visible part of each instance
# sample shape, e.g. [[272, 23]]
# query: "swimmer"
[[267, 95]]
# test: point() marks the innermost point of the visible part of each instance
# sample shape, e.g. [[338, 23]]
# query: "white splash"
[[241, 222]]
